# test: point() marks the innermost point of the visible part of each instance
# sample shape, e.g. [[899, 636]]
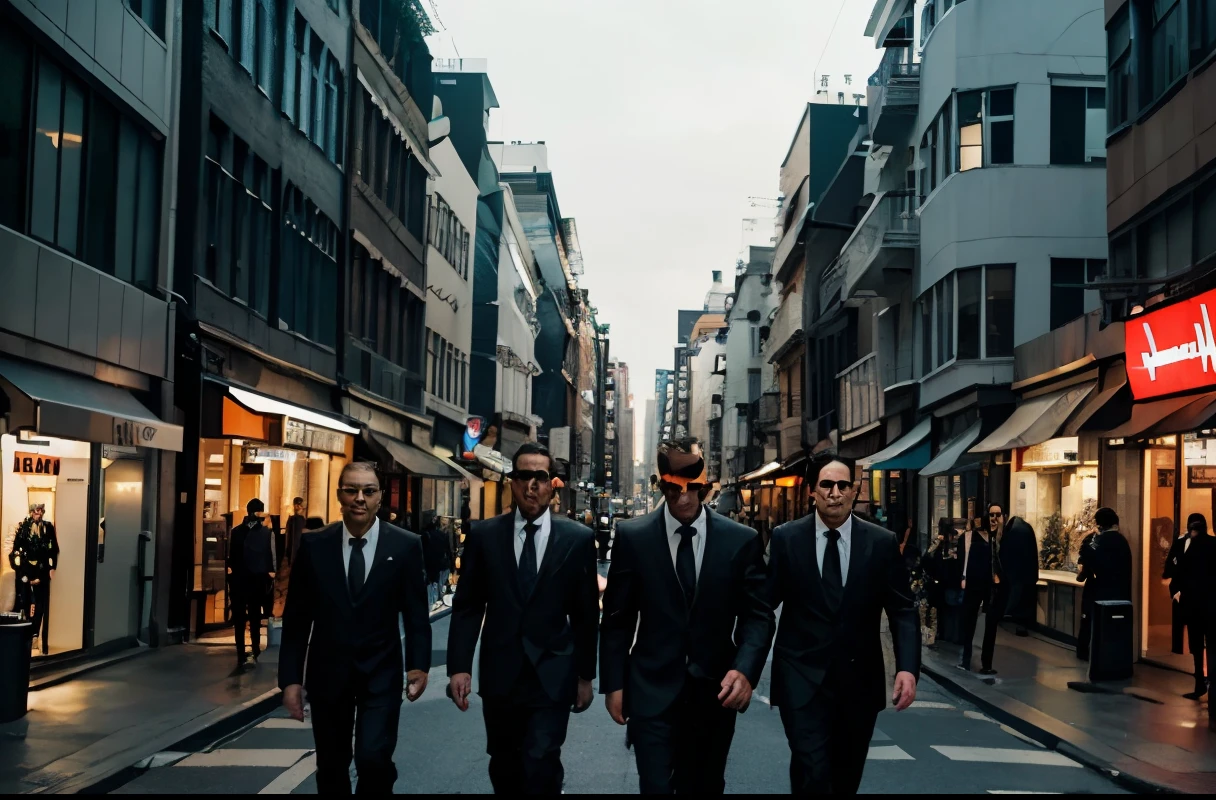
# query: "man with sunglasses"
[[529, 589], [836, 574], [351, 586], [685, 630]]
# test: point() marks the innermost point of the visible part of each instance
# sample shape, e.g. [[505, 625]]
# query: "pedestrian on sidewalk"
[[979, 553], [438, 558], [1020, 564], [836, 574], [251, 571], [296, 525], [528, 589], [1105, 567], [686, 630], [1193, 588], [944, 573], [352, 586], [34, 557]]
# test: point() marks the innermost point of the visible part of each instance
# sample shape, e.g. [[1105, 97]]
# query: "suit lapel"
[[662, 553], [383, 546], [859, 557], [331, 568], [806, 551], [556, 551], [505, 542], [714, 548]]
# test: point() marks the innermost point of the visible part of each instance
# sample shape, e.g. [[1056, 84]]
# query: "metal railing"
[[891, 222]]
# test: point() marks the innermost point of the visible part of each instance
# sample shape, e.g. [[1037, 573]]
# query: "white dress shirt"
[[369, 550], [541, 537], [844, 545], [698, 541]]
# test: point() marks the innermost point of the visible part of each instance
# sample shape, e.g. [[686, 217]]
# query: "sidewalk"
[[1142, 731]]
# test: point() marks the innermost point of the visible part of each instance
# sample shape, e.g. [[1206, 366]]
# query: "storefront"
[[85, 453], [888, 481], [254, 446]]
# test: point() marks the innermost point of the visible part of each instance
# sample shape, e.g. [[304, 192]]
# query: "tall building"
[[621, 439]]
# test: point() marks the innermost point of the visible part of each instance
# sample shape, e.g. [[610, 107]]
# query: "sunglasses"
[[995, 514], [529, 475], [843, 486], [668, 486], [350, 492]]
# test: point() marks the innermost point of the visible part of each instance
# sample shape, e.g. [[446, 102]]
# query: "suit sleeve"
[[900, 606], [298, 616], [586, 621], [415, 610], [756, 622], [620, 617], [54, 560], [468, 606]]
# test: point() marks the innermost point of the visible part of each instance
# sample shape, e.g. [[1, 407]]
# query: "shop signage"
[[472, 432], [35, 464], [265, 454], [1197, 477], [1172, 349], [130, 433], [311, 437]]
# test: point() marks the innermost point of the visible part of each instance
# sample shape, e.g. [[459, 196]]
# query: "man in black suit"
[[351, 584], [689, 585], [530, 576], [836, 574], [1193, 588], [251, 571]]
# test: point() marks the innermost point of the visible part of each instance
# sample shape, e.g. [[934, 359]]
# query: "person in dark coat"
[[438, 558], [34, 557], [1193, 588], [295, 529], [1020, 562], [979, 554], [251, 569], [1106, 569], [1169, 572], [1084, 574]]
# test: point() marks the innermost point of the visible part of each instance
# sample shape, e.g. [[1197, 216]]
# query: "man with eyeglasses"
[[351, 585], [529, 589], [835, 575], [685, 630]]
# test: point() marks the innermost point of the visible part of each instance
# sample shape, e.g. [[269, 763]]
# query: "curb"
[[38, 683], [1050, 732]]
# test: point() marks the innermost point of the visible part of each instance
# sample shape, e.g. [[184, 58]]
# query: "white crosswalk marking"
[[285, 723], [930, 704], [888, 752], [244, 757], [1016, 791], [1006, 755], [290, 780]]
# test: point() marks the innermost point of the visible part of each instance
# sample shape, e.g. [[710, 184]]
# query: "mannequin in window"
[[34, 556]]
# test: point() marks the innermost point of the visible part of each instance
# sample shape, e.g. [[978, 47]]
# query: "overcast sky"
[[662, 117]]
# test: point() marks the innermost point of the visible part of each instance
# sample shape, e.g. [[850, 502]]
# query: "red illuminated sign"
[[1172, 349]]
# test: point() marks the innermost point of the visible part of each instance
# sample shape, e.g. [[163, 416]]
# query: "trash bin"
[[15, 637], [1110, 652]]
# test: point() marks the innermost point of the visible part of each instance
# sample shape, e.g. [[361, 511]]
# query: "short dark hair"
[[533, 449], [1106, 517], [815, 468], [299, 500], [996, 505], [358, 465]]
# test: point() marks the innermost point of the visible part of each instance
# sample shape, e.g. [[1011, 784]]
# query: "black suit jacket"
[[1195, 574], [555, 628], [728, 626], [810, 642], [355, 641]]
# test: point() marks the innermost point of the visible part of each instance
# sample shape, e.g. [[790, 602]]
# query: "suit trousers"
[[1199, 626], [248, 601], [829, 740], [374, 718], [525, 731], [683, 750], [991, 598]]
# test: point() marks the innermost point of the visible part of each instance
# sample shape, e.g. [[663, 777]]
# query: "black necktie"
[[527, 560], [357, 572], [833, 582], [686, 563]]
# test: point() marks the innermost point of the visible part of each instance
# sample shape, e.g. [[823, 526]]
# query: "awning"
[[792, 465], [55, 402], [492, 459], [1146, 416], [901, 445], [1113, 379], [1191, 417], [463, 473], [757, 474], [916, 458], [416, 461], [952, 458], [1036, 420], [262, 404]]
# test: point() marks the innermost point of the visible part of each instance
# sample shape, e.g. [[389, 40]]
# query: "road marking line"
[[1016, 791], [1005, 755], [888, 752], [930, 704], [977, 716], [290, 780], [1022, 736], [285, 723], [242, 757]]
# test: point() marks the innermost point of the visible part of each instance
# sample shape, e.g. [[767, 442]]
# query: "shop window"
[[1165, 49], [1202, 22], [1078, 125], [1119, 71]]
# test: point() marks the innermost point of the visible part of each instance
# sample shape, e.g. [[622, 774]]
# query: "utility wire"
[[824, 52]]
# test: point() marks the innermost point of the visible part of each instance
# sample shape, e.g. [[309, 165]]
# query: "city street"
[[940, 745]]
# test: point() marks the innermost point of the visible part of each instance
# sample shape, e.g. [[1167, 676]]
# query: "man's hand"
[[415, 684], [996, 579], [51, 574], [1177, 597], [963, 585], [293, 701], [905, 690], [271, 575], [583, 701], [736, 691], [35, 581], [459, 686], [615, 703]]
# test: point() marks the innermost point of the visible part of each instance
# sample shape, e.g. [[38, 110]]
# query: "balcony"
[[786, 330], [893, 98], [861, 397], [883, 243]]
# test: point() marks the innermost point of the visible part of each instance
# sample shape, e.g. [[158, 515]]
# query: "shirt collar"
[[845, 530], [674, 524], [371, 537], [542, 521]]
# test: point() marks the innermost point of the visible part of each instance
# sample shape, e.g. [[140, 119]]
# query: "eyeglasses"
[[995, 514], [843, 486], [350, 492], [529, 475], [668, 486]]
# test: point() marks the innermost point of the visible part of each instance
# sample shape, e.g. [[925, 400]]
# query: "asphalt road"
[[941, 745]]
